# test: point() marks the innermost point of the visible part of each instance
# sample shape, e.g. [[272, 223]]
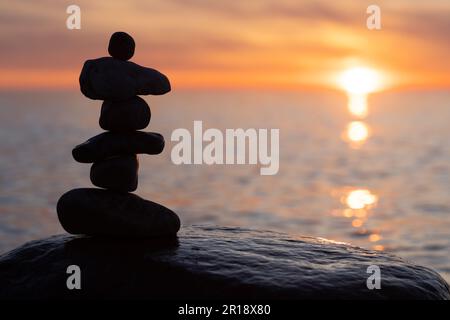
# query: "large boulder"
[[211, 262]]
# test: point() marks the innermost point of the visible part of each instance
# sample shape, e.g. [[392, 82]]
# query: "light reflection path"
[[357, 105], [359, 205], [359, 202], [357, 132]]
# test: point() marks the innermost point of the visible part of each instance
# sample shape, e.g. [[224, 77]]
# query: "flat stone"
[[121, 46], [113, 79], [207, 262], [117, 173], [93, 211], [129, 115], [110, 144]]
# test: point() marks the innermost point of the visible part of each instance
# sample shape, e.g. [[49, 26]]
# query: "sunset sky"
[[284, 44]]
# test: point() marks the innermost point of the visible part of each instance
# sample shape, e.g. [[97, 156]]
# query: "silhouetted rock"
[[121, 46], [211, 263], [116, 173], [112, 79], [128, 115], [109, 144], [107, 213]]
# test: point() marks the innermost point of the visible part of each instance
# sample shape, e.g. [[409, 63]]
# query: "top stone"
[[121, 46]]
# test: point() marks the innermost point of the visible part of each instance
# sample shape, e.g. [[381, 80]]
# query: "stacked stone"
[[114, 210]]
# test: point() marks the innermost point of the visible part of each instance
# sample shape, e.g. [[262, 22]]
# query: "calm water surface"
[[378, 178]]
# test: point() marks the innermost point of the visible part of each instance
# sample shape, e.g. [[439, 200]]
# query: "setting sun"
[[360, 80]]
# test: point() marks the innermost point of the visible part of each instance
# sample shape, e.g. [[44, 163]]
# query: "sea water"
[[381, 182]]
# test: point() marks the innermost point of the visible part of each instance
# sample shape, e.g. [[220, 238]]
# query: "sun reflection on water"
[[360, 199], [359, 204], [357, 133], [358, 82], [374, 237], [357, 105]]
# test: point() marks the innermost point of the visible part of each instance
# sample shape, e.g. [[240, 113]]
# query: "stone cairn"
[[114, 210]]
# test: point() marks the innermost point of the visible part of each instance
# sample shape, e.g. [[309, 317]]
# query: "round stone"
[[117, 173], [128, 115], [121, 46]]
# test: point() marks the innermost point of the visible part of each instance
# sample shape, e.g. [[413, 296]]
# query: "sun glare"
[[360, 80], [360, 198], [357, 131], [357, 105]]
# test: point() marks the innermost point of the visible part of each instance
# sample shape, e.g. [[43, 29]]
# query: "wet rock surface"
[[211, 262]]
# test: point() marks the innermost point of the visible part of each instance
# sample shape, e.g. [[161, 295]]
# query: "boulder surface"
[[211, 262]]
